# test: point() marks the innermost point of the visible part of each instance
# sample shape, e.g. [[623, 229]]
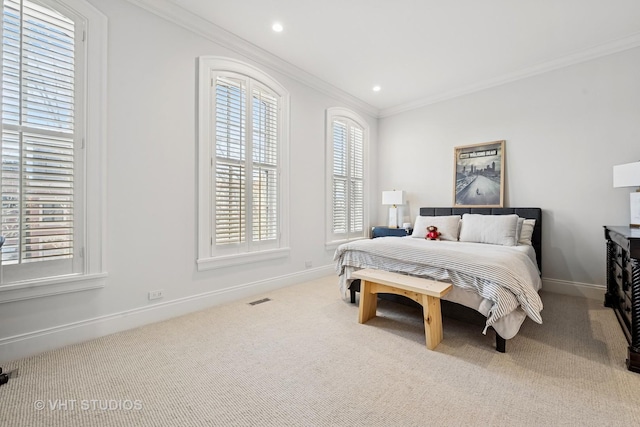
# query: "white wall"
[[564, 131], [151, 169]]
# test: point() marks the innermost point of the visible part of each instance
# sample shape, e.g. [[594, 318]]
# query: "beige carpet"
[[302, 359]]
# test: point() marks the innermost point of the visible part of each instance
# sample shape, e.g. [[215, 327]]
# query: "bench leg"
[[368, 302], [432, 320]]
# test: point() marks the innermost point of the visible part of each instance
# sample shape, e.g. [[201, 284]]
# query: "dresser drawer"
[[628, 272], [628, 294], [625, 308], [618, 254], [621, 284]]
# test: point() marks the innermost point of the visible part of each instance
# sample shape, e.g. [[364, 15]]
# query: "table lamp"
[[393, 198], [628, 175]]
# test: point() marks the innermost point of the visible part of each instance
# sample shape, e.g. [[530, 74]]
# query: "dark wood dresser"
[[623, 285]]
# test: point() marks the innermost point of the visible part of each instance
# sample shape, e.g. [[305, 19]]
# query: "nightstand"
[[384, 231]]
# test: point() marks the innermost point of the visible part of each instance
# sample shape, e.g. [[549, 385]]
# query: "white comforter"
[[506, 277]]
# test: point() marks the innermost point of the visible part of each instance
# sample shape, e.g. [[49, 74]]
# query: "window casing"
[[347, 140], [52, 161], [243, 146]]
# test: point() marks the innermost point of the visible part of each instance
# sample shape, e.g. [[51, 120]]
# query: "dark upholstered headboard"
[[527, 213]]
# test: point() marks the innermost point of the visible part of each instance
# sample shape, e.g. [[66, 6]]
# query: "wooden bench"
[[425, 292]]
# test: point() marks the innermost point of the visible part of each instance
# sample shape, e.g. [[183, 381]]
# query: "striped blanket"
[[504, 275]]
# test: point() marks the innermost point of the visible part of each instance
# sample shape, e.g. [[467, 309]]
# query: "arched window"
[[347, 140], [243, 146]]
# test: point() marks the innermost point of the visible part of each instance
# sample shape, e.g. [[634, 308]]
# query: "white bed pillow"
[[491, 229], [526, 232], [448, 226]]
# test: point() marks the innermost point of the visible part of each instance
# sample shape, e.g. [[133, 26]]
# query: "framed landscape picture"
[[479, 175]]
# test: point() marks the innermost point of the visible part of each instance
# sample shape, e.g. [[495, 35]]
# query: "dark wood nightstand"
[[384, 231]]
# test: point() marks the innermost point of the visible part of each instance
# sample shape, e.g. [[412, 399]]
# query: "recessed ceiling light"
[[376, 88], [277, 27]]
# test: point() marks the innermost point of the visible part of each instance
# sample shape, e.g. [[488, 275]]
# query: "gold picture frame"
[[478, 175]]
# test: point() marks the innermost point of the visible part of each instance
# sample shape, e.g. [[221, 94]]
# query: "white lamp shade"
[[395, 197], [627, 175]]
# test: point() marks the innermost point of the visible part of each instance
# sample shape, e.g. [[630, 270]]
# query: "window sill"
[[52, 286], [237, 259], [334, 245]]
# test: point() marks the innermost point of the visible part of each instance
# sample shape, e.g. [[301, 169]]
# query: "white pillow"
[[448, 226], [491, 229], [526, 232]]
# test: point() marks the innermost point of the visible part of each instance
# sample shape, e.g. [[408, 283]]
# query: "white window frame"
[[210, 257], [333, 240], [90, 208]]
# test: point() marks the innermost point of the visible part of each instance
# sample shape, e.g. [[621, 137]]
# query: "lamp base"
[[393, 217], [634, 212]]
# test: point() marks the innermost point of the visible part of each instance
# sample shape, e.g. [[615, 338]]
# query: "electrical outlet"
[[157, 294]]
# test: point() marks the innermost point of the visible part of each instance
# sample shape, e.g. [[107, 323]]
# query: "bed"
[[493, 257]]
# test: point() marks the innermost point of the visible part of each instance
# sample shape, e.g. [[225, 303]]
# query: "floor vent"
[[260, 301]]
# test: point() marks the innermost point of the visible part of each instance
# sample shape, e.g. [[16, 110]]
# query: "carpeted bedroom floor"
[[302, 359]]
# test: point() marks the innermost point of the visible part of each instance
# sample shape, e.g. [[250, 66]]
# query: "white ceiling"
[[420, 51]]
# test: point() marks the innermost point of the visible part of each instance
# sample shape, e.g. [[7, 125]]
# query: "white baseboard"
[[576, 289], [36, 342]]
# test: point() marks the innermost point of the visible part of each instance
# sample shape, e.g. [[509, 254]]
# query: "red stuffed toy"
[[432, 233]]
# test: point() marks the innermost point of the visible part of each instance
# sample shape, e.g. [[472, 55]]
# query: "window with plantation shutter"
[[243, 130], [38, 77], [44, 182], [346, 148]]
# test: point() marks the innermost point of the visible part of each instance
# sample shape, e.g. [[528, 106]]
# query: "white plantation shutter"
[[356, 189], [230, 167], [38, 133], [348, 198], [340, 178], [246, 187], [265, 165]]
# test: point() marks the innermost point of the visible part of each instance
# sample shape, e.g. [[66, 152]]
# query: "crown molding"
[[170, 11], [576, 57]]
